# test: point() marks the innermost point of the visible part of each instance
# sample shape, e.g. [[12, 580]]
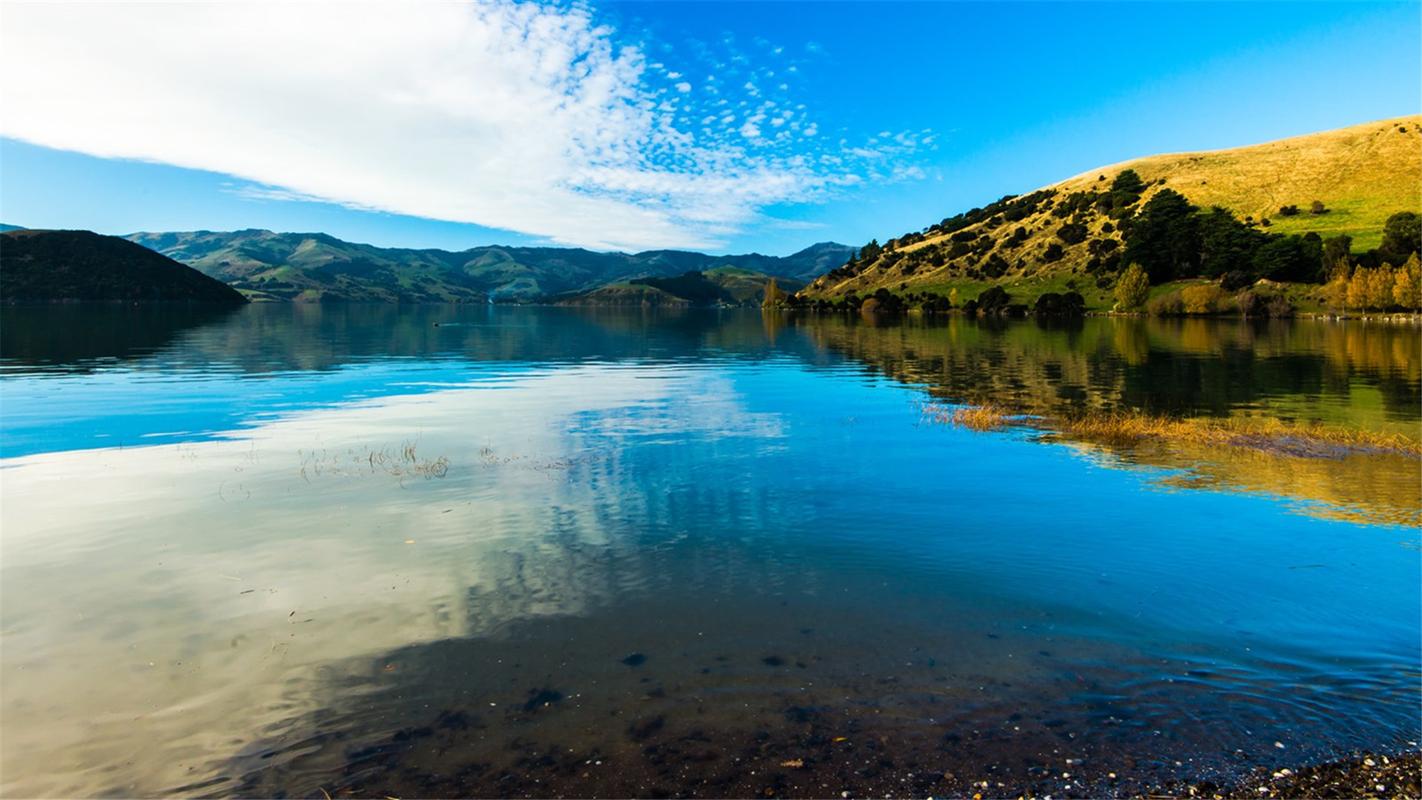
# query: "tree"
[[1165, 238], [1133, 287], [1317, 207], [1407, 284], [1402, 236], [1226, 244], [1335, 253], [1380, 286], [1289, 258], [953, 296], [869, 252], [1129, 182], [773, 295], [1072, 233], [1357, 295]]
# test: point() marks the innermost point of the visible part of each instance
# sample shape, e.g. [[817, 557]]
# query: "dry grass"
[[978, 418]]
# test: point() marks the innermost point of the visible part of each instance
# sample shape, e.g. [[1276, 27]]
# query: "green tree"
[[1336, 251], [1402, 236], [1132, 288], [1165, 238], [1226, 244], [1128, 181]]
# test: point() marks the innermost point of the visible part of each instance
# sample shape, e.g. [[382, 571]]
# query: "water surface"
[[499, 551]]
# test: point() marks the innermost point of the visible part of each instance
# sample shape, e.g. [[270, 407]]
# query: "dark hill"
[[80, 266]]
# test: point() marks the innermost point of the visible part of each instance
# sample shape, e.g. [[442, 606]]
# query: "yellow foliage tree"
[[1380, 284], [1133, 287], [1357, 295], [953, 297], [1407, 285], [773, 296]]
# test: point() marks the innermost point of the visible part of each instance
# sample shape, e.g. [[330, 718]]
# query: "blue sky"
[[723, 126]]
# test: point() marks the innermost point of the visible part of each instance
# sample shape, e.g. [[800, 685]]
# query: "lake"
[[515, 551]]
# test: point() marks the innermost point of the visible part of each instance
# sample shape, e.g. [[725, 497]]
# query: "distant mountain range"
[[315, 267], [80, 266]]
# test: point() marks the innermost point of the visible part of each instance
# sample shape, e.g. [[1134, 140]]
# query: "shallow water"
[[538, 551]]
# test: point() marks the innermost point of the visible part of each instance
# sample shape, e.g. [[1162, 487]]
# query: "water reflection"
[[292, 601]]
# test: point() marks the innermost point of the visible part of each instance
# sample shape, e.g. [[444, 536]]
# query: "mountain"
[[721, 286], [39, 266], [1072, 235], [315, 267]]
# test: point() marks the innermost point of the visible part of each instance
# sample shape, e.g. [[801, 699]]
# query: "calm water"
[[535, 551]]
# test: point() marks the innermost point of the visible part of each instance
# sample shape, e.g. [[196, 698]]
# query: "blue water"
[[297, 549]]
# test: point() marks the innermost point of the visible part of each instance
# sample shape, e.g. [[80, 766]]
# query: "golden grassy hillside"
[[1361, 174]]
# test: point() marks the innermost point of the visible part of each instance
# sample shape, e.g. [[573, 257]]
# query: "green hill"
[[39, 266], [314, 267], [1069, 236]]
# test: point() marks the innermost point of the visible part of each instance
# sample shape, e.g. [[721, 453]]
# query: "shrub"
[[1264, 304], [1070, 304], [936, 304], [1072, 233], [1317, 207], [996, 266], [1335, 292], [1289, 211], [1204, 298], [1054, 252], [994, 298], [1279, 306], [1133, 287], [1165, 305], [1235, 280]]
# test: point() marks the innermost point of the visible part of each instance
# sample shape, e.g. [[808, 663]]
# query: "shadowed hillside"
[[79, 266]]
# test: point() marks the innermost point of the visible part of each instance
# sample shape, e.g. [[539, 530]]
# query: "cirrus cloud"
[[507, 114]]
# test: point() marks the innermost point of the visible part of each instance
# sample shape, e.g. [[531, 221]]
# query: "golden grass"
[[1363, 173], [979, 418]]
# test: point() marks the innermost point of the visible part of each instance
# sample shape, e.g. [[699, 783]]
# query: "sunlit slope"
[[1361, 175]]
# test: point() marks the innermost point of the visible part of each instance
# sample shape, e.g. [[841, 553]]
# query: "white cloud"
[[507, 114]]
